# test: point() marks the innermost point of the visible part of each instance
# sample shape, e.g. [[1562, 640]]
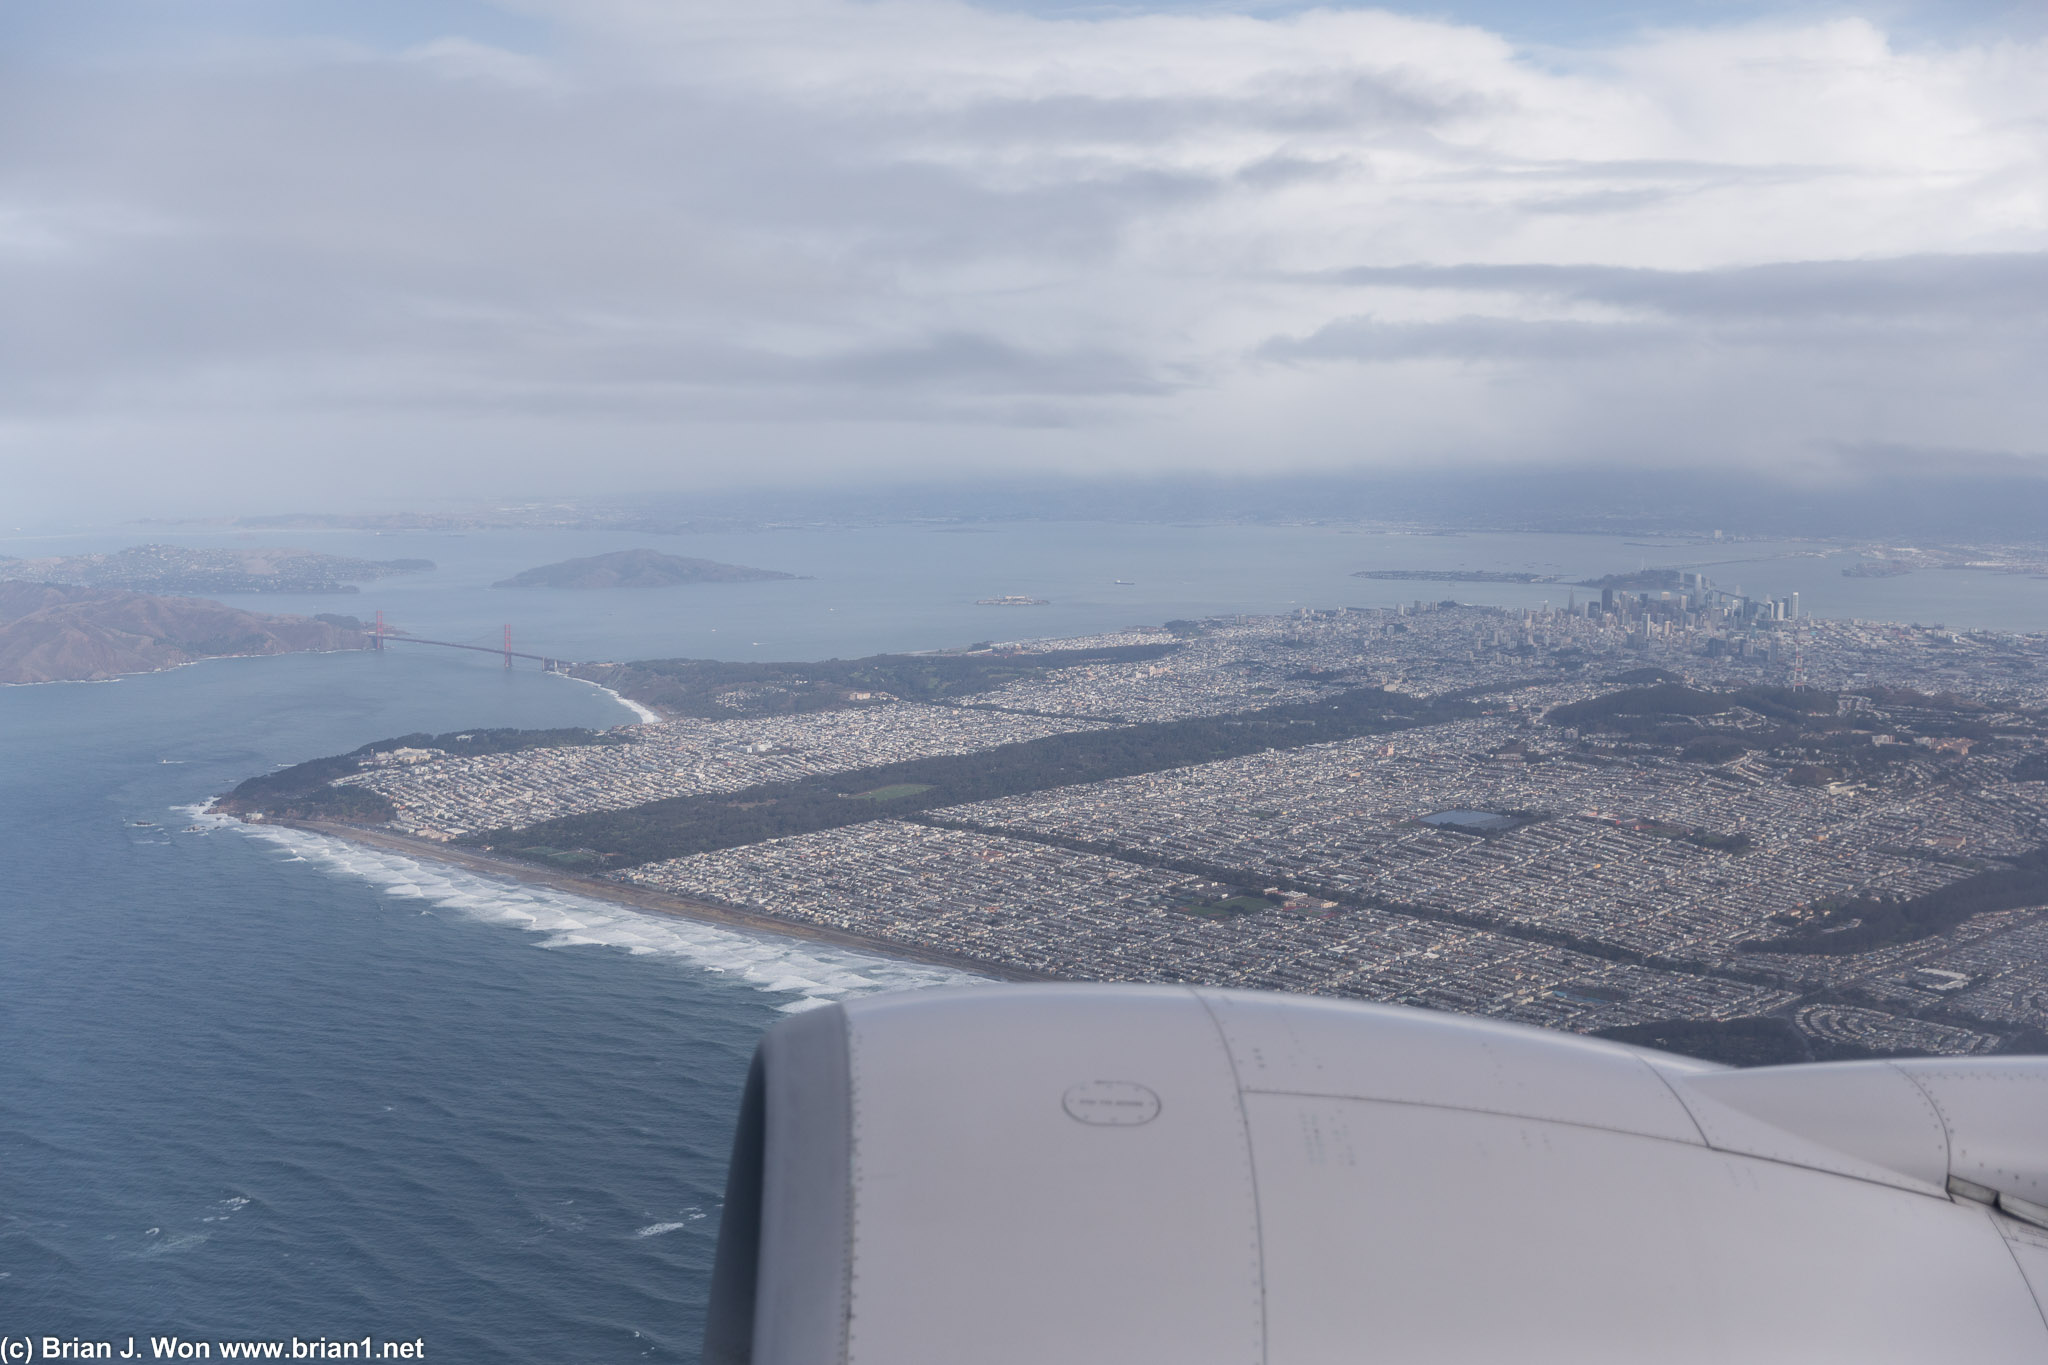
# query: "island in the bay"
[[1669, 816], [59, 632], [636, 569], [181, 570]]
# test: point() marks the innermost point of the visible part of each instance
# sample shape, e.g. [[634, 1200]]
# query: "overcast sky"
[[257, 254]]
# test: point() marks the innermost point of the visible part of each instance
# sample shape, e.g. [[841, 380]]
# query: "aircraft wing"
[[1037, 1174]]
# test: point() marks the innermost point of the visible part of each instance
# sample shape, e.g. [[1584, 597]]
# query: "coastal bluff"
[[635, 569], [54, 632]]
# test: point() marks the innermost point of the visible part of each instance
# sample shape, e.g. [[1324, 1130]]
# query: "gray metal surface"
[[1996, 1112], [989, 1218], [1016, 1175], [1863, 1119], [806, 1198]]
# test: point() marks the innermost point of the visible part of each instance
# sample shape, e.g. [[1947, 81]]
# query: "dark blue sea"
[[272, 1086], [260, 1085]]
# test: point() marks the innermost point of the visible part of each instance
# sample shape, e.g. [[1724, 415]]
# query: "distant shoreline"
[[182, 663], [655, 902], [1455, 576]]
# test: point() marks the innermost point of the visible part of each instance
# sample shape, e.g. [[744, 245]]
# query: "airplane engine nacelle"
[[1037, 1174]]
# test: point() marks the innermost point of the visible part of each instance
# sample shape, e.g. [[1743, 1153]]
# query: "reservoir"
[[1470, 821]]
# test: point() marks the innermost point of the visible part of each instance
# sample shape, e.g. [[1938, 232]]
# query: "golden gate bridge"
[[381, 633]]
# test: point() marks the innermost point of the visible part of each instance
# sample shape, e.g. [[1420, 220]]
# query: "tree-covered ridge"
[[684, 825], [1716, 727], [1830, 741], [2032, 768], [1752, 1041], [725, 690], [1860, 923], [1640, 708]]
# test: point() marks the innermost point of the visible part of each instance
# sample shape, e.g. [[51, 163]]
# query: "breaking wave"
[[812, 973], [642, 715]]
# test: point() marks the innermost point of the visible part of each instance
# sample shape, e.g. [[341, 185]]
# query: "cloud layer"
[[708, 243]]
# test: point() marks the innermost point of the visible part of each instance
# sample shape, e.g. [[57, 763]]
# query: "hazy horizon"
[[1984, 503]]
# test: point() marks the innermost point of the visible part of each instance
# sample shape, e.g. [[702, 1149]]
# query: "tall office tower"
[[1795, 606]]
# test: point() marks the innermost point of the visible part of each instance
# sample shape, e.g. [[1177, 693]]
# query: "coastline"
[[647, 714], [192, 663], [654, 902]]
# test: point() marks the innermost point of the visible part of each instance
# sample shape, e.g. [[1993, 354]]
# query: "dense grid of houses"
[[1598, 881]]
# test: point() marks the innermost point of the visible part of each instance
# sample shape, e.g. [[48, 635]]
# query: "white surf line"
[[647, 715], [814, 973]]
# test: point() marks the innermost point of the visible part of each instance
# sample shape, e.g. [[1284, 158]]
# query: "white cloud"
[[461, 59], [710, 241]]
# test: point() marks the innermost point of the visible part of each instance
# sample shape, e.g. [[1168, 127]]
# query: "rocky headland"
[[57, 632]]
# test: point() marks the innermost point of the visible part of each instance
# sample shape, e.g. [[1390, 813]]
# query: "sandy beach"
[[647, 715], [641, 898]]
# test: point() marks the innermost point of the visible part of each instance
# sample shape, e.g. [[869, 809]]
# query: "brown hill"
[[53, 632], [636, 569]]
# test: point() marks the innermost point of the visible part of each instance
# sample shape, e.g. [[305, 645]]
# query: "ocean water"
[[264, 1085], [258, 1084]]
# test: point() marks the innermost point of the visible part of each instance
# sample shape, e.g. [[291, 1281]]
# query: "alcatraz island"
[[1676, 817]]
